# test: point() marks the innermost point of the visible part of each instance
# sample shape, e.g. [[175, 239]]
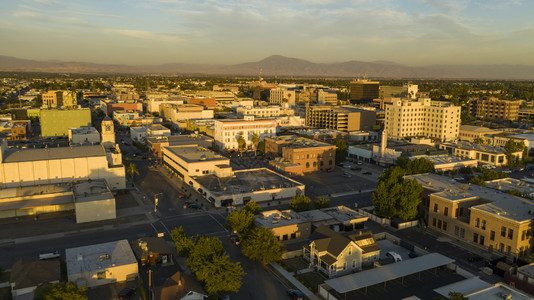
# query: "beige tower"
[[108, 133]]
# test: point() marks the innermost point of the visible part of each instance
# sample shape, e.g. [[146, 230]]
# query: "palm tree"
[[132, 170], [241, 143], [255, 141]]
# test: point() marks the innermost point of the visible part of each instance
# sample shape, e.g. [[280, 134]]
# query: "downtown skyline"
[[416, 32]]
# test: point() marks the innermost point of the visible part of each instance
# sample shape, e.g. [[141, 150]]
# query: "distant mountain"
[[278, 65]]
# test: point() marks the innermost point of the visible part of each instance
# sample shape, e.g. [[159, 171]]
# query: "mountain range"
[[277, 65]]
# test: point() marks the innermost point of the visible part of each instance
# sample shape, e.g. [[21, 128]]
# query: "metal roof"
[[23, 155], [464, 287], [389, 272]]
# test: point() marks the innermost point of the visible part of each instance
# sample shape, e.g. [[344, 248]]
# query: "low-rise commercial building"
[[227, 132], [26, 276], [479, 216], [65, 99], [156, 144], [24, 167], [177, 113], [309, 155], [84, 135], [287, 225], [470, 133], [494, 108], [100, 264], [342, 118], [482, 153]]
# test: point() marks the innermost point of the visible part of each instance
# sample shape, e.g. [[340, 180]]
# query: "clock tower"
[[108, 133]]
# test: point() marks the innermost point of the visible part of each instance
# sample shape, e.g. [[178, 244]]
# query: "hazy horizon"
[[409, 32]]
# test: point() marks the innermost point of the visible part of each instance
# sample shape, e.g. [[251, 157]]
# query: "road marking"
[[191, 215], [165, 227], [154, 228], [221, 233], [218, 222]]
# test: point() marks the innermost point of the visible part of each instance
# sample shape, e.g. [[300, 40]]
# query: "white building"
[[189, 161], [176, 113], [282, 95], [84, 135], [482, 153], [260, 111], [138, 133], [100, 264], [227, 132], [154, 104], [434, 119], [24, 167]]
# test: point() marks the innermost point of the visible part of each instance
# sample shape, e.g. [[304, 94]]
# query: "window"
[[446, 211], [481, 240], [510, 234], [492, 235], [307, 165], [435, 207], [523, 235], [475, 237], [101, 275], [461, 211], [508, 250], [434, 222], [353, 263], [503, 231], [350, 250], [462, 233], [439, 224], [501, 247], [314, 164], [456, 213], [293, 236], [344, 266], [477, 222], [444, 225], [456, 230], [484, 224]]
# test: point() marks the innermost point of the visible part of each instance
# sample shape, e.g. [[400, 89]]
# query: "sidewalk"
[[294, 282]]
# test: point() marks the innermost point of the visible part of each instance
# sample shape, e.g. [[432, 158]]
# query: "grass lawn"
[[296, 263], [313, 279]]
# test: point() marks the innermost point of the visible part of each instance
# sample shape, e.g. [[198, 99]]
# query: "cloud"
[[144, 35]]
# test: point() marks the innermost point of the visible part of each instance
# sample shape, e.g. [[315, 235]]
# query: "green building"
[[56, 122], [33, 112]]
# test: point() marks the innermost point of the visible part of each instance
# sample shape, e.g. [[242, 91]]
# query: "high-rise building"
[[52, 99], [281, 95], [423, 117], [342, 118], [363, 90], [494, 108]]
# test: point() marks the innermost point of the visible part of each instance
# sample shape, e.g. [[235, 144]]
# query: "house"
[[26, 276], [180, 286], [152, 251], [336, 254], [101, 264]]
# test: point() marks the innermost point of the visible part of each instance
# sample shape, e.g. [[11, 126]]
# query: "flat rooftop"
[[99, 257], [472, 146], [277, 218], [300, 142], [447, 159], [83, 130], [93, 190], [502, 204], [245, 181], [192, 154], [23, 155], [178, 140], [506, 184], [497, 292]]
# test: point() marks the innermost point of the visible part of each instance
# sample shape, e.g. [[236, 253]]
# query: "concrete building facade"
[[56, 122], [434, 119], [342, 118], [227, 132], [494, 108]]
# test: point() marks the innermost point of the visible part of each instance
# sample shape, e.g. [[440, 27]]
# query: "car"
[[507, 171], [530, 168], [194, 206], [413, 254], [396, 257], [126, 144], [459, 178], [360, 162], [356, 168], [49, 255], [367, 173], [180, 195], [295, 294], [347, 175], [126, 293], [328, 170], [235, 238], [340, 165]]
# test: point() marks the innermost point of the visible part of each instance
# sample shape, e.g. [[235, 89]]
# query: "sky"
[[410, 32]]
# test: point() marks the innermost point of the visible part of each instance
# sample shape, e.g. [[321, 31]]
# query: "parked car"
[[235, 239], [347, 175], [126, 293], [181, 195], [49, 255], [295, 294], [328, 170], [356, 168], [367, 173], [459, 178], [507, 171], [360, 162], [194, 206], [396, 257]]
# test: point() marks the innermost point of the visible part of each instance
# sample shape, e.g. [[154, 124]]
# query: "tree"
[[515, 192], [321, 203], [60, 291], [132, 170], [300, 203], [241, 143], [253, 207], [478, 181], [240, 220], [212, 266], [341, 150], [479, 141], [255, 141], [263, 246], [511, 148], [409, 200], [182, 242]]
